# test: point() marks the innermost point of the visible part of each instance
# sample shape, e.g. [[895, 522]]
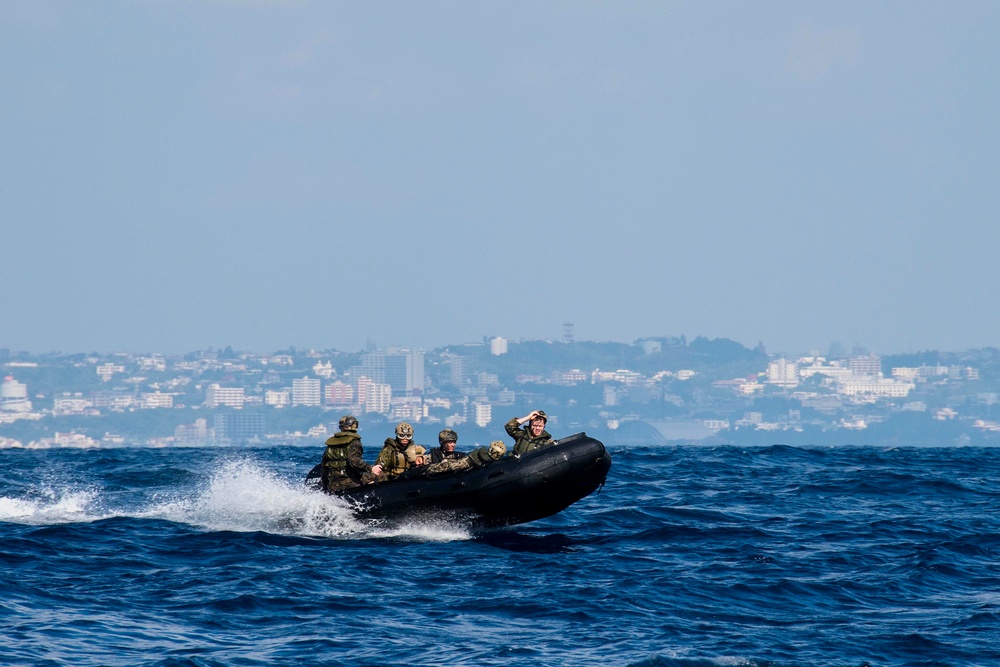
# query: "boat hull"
[[511, 490]]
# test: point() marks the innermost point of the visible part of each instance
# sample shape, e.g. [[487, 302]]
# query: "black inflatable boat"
[[510, 490]]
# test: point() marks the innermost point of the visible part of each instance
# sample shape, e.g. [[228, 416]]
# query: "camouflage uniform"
[[343, 465], [392, 458], [523, 440]]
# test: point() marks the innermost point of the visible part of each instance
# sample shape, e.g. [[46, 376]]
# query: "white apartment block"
[[217, 395], [812, 365], [306, 391], [487, 379], [378, 398], [782, 373], [869, 365], [570, 377], [152, 400], [363, 385], [484, 414], [874, 387], [114, 400], [278, 398]]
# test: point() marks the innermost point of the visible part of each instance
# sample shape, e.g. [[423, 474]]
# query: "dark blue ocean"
[[689, 556]]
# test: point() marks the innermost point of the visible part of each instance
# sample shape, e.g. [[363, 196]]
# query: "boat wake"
[[237, 495]]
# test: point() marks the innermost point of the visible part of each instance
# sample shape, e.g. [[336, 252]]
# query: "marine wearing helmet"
[[343, 465], [391, 461], [447, 439]]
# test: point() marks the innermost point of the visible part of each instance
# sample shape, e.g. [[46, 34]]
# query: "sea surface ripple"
[[690, 556]]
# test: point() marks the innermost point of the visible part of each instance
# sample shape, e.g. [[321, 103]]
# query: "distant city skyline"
[[498, 345], [178, 176], [664, 389]]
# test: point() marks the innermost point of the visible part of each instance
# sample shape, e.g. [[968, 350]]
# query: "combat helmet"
[[414, 451], [348, 423], [447, 435], [497, 449], [404, 430]]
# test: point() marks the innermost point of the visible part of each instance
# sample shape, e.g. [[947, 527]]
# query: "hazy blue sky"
[[177, 175]]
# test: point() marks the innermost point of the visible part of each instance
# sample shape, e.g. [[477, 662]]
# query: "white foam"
[[426, 531], [239, 495], [244, 496], [69, 506]]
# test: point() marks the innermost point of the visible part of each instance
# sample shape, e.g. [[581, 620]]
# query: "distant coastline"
[[657, 390]]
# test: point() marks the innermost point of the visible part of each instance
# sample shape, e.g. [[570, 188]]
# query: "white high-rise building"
[[279, 398], [870, 364], [378, 398], [217, 395], [306, 391], [783, 373], [484, 414]]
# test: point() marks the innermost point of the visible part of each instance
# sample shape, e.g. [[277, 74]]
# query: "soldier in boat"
[[533, 437], [343, 465], [391, 461], [447, 440]]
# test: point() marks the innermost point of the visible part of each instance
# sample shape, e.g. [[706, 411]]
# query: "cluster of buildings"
[[243, 393], [858, 377], [223, 397], [845, 387]]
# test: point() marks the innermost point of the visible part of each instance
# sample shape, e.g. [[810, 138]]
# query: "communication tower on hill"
[[568, 332]]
